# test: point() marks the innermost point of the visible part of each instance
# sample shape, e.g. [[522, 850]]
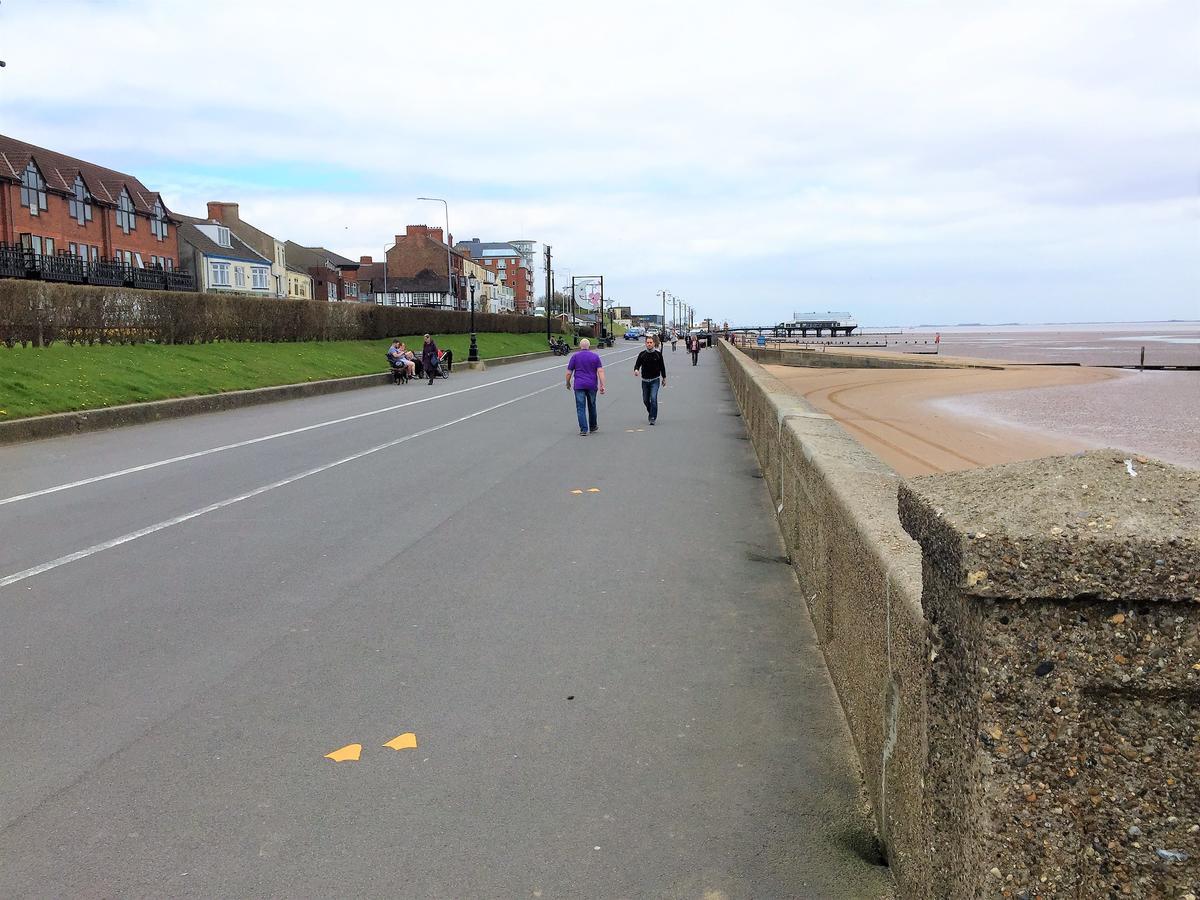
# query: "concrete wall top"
[[1094, 525]]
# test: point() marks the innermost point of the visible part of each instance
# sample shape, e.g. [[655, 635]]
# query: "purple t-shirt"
[[584, 364]]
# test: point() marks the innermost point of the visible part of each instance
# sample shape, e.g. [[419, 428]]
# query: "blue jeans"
[[585, 409], [650, 396]]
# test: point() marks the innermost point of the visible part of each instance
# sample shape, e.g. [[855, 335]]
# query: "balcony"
[[147, 279], [180, 281], [61, 267], [13, 262], [109, 272]]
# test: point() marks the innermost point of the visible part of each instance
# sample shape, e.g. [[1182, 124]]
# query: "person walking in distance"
[[429, 358], [587, 369], [652, 369], [694, 346], [674, 340]]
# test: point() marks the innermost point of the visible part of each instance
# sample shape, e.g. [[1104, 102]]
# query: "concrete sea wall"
[[1016, 649]]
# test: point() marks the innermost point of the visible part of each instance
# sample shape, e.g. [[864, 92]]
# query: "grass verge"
[[62, 378]]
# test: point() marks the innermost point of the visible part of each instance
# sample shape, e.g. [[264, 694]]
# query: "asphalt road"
[[613, 692]]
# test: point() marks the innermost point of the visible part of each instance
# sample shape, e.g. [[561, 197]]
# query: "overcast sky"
[[912, 162]]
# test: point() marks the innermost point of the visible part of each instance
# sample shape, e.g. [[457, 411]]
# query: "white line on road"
[[213, 507], [132, 470]]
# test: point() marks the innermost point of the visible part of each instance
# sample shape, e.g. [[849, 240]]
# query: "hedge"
[[40, 313]]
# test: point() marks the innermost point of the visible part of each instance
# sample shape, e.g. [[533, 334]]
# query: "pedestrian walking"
[[674, 339], [652, 369], [429, 358], [694, 346], [587, 369]]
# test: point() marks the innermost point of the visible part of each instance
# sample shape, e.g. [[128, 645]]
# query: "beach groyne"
[[1016, 649]]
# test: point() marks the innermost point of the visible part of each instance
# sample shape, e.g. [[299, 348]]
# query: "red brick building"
[[510, 266], [52, 204], [422, 249]]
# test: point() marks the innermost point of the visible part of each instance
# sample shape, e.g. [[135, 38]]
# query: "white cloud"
[[906, 161]]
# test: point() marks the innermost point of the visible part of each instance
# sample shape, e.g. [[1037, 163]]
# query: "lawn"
[[62, 378]]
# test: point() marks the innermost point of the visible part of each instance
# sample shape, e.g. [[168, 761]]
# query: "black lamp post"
[[473, 353]]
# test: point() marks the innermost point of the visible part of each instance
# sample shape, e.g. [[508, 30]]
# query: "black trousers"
[[695, 356]]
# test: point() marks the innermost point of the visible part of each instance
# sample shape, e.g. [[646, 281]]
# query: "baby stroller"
[[441, 366]]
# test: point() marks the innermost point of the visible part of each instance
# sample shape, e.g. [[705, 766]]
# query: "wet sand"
[[894, 412]]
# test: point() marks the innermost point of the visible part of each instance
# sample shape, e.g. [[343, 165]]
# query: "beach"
[[922, 421]]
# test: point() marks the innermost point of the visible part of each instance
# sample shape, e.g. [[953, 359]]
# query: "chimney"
[[365, 261], [223, 212]]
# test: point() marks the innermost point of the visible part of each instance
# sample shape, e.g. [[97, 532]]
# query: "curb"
[[81, 421]]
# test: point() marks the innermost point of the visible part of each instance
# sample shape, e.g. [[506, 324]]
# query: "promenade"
[[595, 643]]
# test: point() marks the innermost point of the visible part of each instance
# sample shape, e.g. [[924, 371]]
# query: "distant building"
[[427, 288], [334, 277], [223, 263], [264, 244], [422, 248], [511, 265]]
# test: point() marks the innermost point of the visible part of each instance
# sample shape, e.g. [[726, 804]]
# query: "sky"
[[909, 162]]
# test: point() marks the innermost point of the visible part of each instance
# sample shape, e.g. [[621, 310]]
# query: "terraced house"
[[223, 261], [68, 219]]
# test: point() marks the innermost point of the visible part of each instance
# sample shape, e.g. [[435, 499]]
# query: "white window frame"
[[258, 277], [219, 274], [239, 277]]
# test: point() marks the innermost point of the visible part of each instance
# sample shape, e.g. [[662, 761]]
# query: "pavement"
[[595, 644]]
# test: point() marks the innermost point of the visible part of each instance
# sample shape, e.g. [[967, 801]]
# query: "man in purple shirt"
[[588, 370]]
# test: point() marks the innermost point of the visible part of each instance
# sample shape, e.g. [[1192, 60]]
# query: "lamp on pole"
[[473, 353], [449, 276]]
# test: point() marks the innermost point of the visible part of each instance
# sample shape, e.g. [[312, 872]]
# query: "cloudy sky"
[[913, 162]]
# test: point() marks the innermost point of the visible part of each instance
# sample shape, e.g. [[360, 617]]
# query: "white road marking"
[[230, 501], [133, 470]]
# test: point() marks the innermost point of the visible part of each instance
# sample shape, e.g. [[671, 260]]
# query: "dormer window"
[[223, 236], [81, 202], [126, 218], [158, 224], [33, 189]]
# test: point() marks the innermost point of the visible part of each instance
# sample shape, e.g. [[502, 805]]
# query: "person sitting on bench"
[[402, 369]]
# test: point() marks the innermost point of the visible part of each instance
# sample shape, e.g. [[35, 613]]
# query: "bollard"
[[1142, 361], [1062, 598]]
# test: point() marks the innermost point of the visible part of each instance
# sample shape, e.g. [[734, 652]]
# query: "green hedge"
[[40, 313]]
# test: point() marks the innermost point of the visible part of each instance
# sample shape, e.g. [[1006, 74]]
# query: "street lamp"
[[449, 279], [473, 353]]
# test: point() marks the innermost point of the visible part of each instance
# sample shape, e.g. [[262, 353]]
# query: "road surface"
[[611, 685]]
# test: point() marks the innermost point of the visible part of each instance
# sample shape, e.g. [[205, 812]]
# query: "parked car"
[[633, 334]]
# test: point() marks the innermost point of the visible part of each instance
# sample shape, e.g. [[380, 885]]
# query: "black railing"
[[19, 262], [63, 267], [12, 262]]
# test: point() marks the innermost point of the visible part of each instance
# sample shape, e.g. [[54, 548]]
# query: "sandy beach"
[[922, 421]]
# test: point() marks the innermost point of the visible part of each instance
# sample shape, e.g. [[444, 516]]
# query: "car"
[[633, 334]]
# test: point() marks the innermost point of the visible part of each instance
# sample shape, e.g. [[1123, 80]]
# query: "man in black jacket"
[[652, 369]]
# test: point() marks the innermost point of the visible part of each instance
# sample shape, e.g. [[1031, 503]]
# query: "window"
[[158, 224], [95, 253], [49, 247], [32, 242], [239, 277], [352, 289], [137, 260], [33, 189], [223, 236], [81, 202], [331, 289], [126, 257], [220, 274], [258, 278], [126, 217]]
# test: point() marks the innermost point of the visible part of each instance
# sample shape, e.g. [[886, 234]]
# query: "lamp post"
[[473, 353], [449, 277]]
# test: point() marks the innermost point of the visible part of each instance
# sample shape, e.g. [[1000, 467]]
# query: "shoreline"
[[940, 420]]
